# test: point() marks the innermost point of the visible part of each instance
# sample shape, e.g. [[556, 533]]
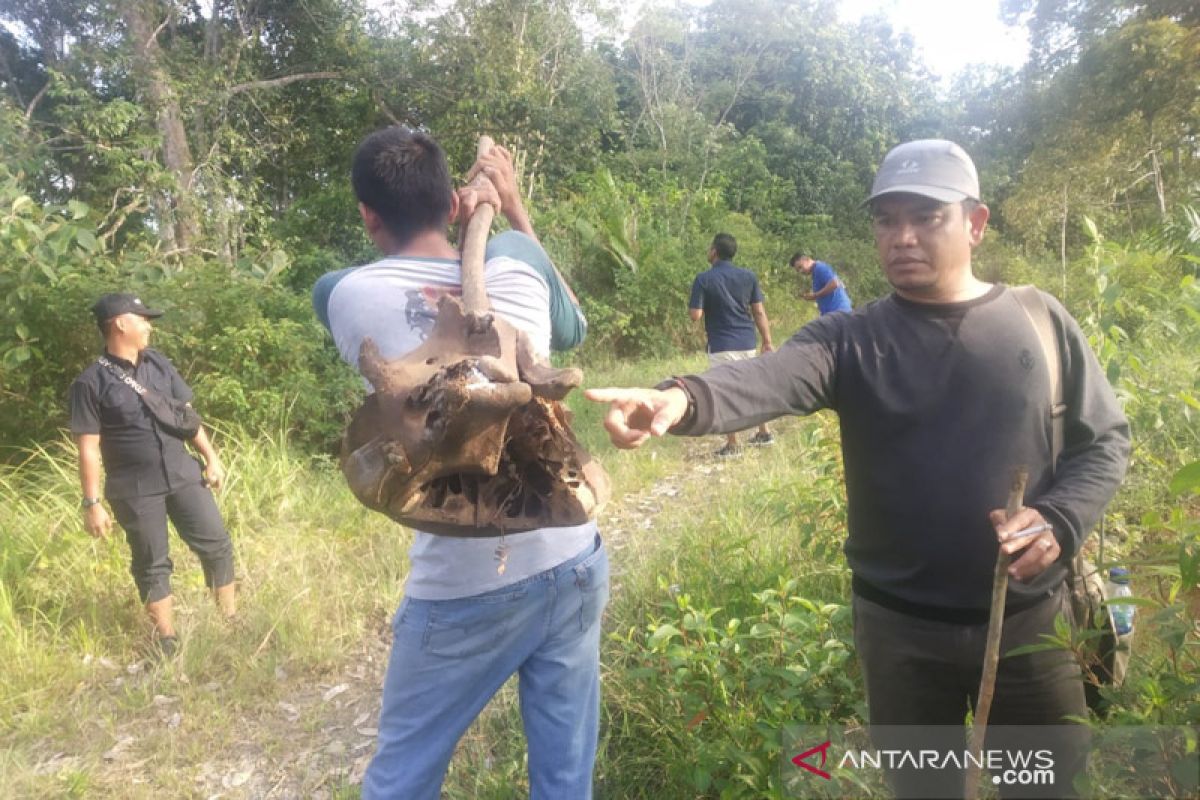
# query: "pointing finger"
[[611, 394]]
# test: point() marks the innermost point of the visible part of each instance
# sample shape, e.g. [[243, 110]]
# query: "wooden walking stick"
[[466, 434], [991, 653]]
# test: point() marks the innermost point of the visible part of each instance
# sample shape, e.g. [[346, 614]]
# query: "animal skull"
[[466, 435]]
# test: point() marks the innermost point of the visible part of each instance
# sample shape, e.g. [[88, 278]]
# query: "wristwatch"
[[88, 502]]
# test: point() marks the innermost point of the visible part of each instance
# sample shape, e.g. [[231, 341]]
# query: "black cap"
[[114, 305]]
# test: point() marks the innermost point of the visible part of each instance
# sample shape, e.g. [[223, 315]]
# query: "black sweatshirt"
[[938, 404]]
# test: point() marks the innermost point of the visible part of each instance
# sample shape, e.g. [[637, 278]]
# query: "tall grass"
[[317, 574], [744, 556], [319, 577]]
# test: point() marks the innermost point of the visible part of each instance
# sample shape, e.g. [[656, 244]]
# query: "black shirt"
[[139, 458], [937, 405], [725, 293]]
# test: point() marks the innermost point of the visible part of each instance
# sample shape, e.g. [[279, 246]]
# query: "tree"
[[154, 110], [1131, 103], [519, 71]]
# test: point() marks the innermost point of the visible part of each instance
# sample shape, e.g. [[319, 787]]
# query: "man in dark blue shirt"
[[730, 302], [827, 289]]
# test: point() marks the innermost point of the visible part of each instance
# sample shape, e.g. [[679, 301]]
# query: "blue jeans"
[[449, 658]]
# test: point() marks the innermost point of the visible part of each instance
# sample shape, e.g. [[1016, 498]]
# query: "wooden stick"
[[474, 290], [991, 653]]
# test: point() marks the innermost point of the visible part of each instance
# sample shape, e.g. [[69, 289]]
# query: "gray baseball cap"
[[933, 168]]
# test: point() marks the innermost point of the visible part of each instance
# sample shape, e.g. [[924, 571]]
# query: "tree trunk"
[[1159, 190], [140, 21]]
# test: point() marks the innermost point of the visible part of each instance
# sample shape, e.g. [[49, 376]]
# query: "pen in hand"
[[1032, 531]]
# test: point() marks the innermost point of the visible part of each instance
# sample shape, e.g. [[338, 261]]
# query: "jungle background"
[[198, 154]]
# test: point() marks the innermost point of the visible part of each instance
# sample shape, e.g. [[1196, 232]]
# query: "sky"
[[950, 33]]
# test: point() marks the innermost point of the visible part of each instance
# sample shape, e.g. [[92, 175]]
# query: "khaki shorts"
[[730, 355]]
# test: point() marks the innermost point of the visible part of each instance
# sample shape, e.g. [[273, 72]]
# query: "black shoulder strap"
[[124, 378]]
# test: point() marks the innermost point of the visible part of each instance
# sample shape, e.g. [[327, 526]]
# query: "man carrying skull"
[[476, 610]]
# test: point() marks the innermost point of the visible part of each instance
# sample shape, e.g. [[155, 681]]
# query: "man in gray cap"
[[149, 475], [941, 389]]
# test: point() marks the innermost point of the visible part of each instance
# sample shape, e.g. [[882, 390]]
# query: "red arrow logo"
[[800, 761]]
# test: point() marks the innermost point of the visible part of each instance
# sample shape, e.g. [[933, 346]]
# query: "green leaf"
[[86, 239], [1031, 648], [20, 354], [663, 633], [1113, 372], [794, 620], [1186, 480]]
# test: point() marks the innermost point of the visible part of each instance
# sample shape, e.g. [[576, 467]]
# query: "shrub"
[[739, 681]]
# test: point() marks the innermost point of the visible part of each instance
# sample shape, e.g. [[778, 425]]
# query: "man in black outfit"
[[150, 475], [941, 389]]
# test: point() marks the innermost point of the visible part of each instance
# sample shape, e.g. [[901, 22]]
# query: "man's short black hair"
[[796, 256], [402, 176], [725, 246]]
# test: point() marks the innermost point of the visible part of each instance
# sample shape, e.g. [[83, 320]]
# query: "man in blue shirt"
[[730, 302], [827, 289]]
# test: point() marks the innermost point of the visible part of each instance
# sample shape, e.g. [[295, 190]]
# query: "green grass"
[[243, 708], [318, 575]]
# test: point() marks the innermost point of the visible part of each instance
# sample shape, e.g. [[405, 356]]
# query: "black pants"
[[193, 510], [925, 672]]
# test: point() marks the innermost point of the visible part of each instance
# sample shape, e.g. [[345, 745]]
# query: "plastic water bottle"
[[1122, 613]]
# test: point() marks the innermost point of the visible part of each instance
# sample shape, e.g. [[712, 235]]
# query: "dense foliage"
[[198, 153]]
